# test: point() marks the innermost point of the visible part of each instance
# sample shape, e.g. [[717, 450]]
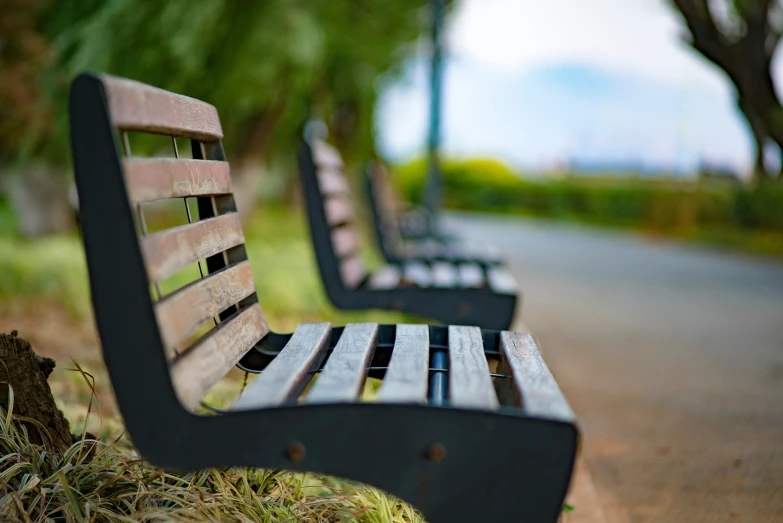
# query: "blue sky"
[[538, 83]]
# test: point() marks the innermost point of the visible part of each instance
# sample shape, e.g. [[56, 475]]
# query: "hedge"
[[653, 204]]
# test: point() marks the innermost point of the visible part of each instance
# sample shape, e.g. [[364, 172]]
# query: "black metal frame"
[[498, 466], [465, 306]]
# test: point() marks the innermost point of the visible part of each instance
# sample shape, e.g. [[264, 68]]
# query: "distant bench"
[[450, 289], [415, 234], [446, 433]]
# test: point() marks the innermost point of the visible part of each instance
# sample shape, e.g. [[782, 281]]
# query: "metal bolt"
[[296, 451], [463, 309], [436, 452]]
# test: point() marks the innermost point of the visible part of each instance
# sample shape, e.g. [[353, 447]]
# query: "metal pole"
[[433, 191]]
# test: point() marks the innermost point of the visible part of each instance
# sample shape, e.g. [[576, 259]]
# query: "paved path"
[[672, 358]]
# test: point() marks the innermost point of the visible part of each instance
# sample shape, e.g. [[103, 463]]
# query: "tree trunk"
[[756, 124], [39, 199], [26, 373], [252, 153]]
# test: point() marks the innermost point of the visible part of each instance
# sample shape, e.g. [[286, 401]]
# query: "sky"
[[541, 83]]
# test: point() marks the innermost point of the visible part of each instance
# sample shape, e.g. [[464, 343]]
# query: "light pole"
[[432, 194]]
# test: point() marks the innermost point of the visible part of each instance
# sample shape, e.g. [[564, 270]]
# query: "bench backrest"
[[153, 342], [331, 210], [382, 202]]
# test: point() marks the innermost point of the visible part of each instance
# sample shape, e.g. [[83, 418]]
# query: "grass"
[[101, 478], [97, 481]]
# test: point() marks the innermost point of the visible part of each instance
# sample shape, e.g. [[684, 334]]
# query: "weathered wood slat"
[[170, 251], [444, 275], [338, 211], [139, 107], [470, 385], [150, 179], [345, 240], [332, 181], [353, 271], [182, 313], [204, 364], [534, 384], [325, 155], [407, 376], [471, 275], [288, 374], [502, 281], [343, 376], [386, 277], [418, 274], [426, 249]]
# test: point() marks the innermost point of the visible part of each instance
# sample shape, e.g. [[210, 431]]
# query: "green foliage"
[[266, 66], [682, 208]]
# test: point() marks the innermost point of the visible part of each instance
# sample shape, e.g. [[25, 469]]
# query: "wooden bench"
[[413, 234], [460, 442], [444, 289]]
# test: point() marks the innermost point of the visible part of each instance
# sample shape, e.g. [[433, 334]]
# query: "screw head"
[[463, 309], [436, 452], [295, 451]]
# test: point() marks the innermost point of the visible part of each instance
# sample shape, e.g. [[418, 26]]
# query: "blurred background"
[[625, 154]]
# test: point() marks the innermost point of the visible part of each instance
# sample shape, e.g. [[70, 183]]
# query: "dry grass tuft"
[[95, 481]]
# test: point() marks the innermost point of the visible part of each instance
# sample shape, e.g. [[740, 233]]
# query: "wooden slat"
[[386, 277], [480, 251], [180, 314], [343, 375], [470, 384], [471, 275], [172, 250], [325, 155], [332, 181], [407, 376], [345, 240], [353, 271], [444, 274], [418, 274], [540, 395], [424, 249], [150, 179], [338, 211], [198, 369], [502, 281], [288, 374], [135, 106]]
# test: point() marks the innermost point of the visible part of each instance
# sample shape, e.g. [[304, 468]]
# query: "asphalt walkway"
[[672, 358]]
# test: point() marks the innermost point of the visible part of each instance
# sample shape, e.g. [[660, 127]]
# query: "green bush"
[[658, 205]]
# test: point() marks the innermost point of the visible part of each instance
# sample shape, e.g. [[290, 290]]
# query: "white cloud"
[[639, 36]]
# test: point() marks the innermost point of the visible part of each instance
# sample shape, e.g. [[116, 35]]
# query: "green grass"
[[104, 480]]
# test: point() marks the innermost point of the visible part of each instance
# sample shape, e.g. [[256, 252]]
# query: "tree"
[[741, 37], [266, 65]]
